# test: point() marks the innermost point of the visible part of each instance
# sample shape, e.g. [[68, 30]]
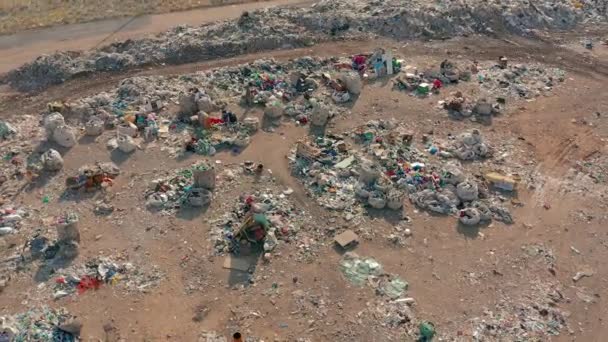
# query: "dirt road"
[[22, 47]]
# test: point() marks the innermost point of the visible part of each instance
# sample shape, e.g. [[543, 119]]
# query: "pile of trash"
[[138, 107], [438, 187], [102, 271], [58, 131], [259, 220], [536, 315], [21, 159], [482, 110], [498, 82], [584, 177], [191, 187], [518, 80], [262, 82], [207, 142], [471, 146], [398, 314], [39, 162], [257, 83], [367, 271], [388, 168], [93, 177], [430, 81], [10, 219], [293, 27], [327, 167], [44, 325]]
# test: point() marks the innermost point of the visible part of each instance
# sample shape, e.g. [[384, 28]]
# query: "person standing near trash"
[[228, 117], [379, 67], [249, 94], [359, 63]]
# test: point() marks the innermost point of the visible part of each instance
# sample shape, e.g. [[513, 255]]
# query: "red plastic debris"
[[87, 283], [437, 84]]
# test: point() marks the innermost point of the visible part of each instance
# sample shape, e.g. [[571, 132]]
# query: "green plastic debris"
[[427, 331], [368, 136], [395, 288], [262, 220], [204, 147], [186, 173], [359, 270], [396, 64], [41, 325], [201, 167], [423, 89]]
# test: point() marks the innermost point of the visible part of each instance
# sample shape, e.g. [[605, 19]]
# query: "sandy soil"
[[454, 274]]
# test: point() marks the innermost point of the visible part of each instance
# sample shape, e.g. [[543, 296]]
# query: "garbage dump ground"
[[378, 189], [327, 20]]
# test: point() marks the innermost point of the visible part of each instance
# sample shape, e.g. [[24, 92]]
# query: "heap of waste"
[[326, 166], [430, 81], [260, 220], [58, 131], [190, 187], [93, 177], [44, 325], [388, 168], [102, 271], [519, 80], [140, 106], [327, 20], [263, 82], [537, 314]]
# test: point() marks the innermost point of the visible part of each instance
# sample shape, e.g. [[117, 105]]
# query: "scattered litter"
[[346, 239], [581, 274], [98, 272]]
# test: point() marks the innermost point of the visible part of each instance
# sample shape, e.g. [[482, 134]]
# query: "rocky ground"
[[149, 248]]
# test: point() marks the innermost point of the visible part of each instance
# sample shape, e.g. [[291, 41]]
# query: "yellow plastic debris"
[[501, 182]]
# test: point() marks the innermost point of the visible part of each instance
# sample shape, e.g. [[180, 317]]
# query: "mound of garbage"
[[384, 168], [275, 28], [44, 324], [262, 82], [141, 107], [261, 220], [99, 272], [191, 187], [539, 313]]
